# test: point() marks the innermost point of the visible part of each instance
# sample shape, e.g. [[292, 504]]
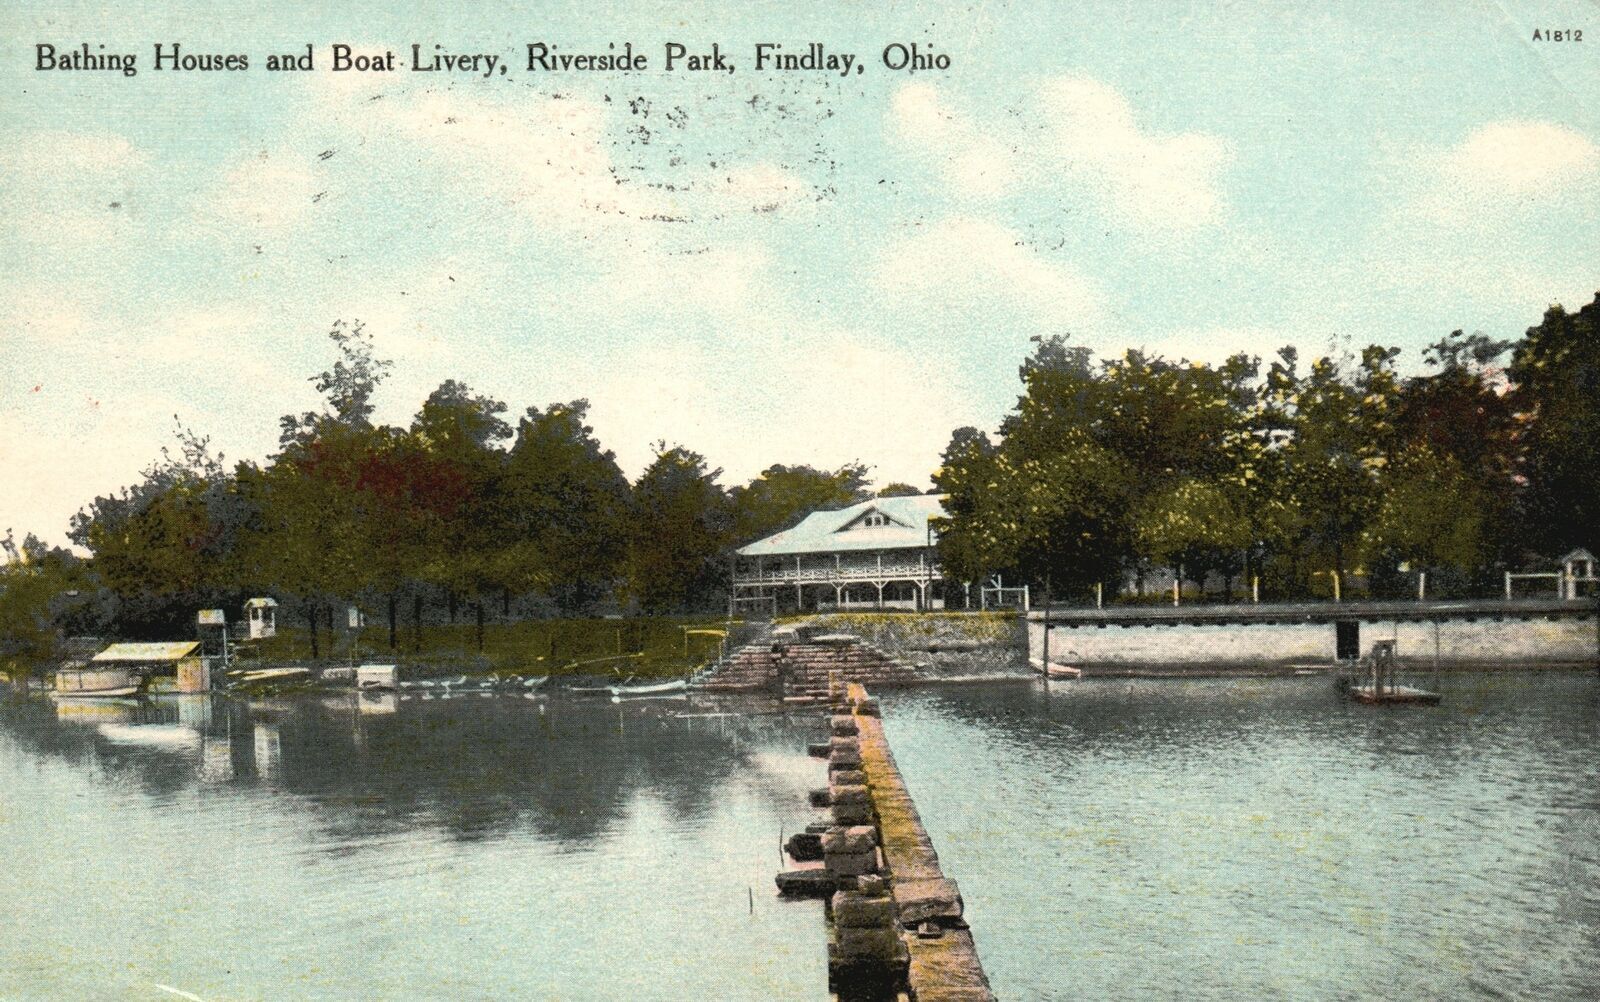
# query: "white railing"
[[840, 574]]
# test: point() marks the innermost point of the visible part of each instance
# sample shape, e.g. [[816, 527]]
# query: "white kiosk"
[[262, 615]]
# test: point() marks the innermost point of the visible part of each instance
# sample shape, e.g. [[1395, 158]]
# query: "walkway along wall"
[[896, 924], [1283, 637]]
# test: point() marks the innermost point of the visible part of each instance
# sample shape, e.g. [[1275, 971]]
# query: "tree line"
[[1105, 470], [465, 513], [1294, 474]]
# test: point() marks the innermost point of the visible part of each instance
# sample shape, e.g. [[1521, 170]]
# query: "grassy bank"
[[642, 647]]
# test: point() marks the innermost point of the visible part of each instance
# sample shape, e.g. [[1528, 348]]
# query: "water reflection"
[[471, 764], [380, 845]]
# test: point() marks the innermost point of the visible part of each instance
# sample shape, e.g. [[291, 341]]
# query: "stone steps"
[[800, 670]]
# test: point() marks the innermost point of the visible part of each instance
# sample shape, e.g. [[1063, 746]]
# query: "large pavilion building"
[[878, 554]]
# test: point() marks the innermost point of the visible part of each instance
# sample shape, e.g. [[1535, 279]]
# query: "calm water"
[[478, 848], [1247, 839]]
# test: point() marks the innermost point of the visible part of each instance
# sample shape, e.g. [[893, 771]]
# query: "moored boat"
[[92, 682], [1053, 670], [655, 689]]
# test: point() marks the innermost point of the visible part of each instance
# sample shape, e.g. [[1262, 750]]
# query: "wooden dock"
[[1399, 694], [1382, 689]]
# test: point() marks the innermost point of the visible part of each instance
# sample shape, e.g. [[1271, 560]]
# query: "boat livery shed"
[[176, 658]]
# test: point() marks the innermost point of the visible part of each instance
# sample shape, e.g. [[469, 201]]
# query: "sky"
[[765, 267]]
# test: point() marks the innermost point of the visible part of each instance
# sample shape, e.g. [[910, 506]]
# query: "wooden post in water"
[[1422, 586], [1047, 626], [1099, 594], [1335, 576], [1255, 589]]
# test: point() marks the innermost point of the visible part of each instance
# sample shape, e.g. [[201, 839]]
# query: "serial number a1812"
[[1558, 34]]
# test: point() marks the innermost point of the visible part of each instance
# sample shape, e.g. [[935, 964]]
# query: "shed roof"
[[1577, 556], [172, 650], [836, 531], [261, 602]]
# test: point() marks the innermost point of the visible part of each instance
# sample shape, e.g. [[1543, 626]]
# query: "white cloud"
[[43, 154], [976, 163], [547, 156], [761, 187], [62, 447], [1079, 134], [729, 281], [1518, 157], [1153, 180], [963, 262], [262, 193], [64, 192], [823, 398], [1503, 167]]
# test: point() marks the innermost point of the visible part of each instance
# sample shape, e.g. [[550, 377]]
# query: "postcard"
[[926, 500]]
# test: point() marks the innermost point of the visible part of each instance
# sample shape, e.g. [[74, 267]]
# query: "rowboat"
[[96, 682], [266, 675], [1052, 670], [656, 689], [119, 691]]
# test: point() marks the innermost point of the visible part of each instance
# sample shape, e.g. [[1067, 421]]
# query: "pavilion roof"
[[838, 531]]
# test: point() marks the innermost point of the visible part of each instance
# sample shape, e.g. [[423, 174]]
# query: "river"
[[342, 848], [1114, 839], [1261, 838]]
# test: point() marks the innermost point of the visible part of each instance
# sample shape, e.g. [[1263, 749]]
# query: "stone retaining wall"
[[1267, 637]]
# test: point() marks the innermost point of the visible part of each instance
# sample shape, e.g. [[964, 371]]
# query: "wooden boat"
[[536, 682], [1052, 670], [266, 675], [97, 682], [112, 693], [656, 689]]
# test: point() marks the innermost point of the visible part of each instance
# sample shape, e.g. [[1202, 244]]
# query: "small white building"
[[262, 615], [1577, 567], [877, 554]]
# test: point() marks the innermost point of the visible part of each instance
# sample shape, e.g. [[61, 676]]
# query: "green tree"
[[1193, 527], [314, 536], [44, 592], [783, 495], [1432, 515], [566, 510], [1555, 373], [165, 545], [682, 526], [899, 490], [461, 431], [968, 547]]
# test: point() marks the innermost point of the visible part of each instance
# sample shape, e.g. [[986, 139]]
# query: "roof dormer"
[[872, 518]]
